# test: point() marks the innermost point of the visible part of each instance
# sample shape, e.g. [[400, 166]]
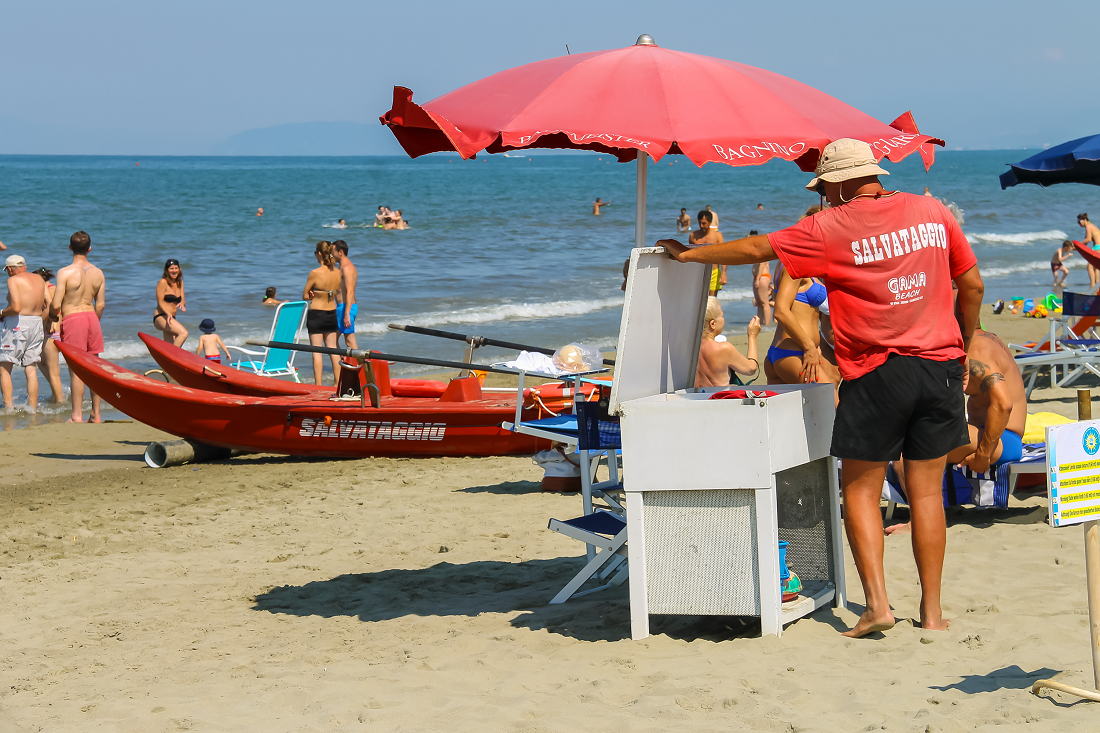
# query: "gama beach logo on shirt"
[[907, 288]]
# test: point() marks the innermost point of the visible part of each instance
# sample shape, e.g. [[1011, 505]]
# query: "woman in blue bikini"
[[795, 354]]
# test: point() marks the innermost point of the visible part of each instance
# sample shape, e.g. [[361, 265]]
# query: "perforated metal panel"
[[802, 503], [703, 557]]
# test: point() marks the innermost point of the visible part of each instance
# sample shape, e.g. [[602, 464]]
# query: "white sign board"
[[1073, 472]]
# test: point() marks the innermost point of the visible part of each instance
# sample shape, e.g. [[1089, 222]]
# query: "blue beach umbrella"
[[1077, 161]]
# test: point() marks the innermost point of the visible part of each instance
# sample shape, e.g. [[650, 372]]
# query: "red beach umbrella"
[[646, 99]]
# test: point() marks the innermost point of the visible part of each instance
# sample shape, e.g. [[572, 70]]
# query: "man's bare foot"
[[869, 624], [75, 419], [95, 418], [940, 625], [898, 529]]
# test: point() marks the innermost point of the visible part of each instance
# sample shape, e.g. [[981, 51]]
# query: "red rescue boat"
[[462, 422], [191, 370]]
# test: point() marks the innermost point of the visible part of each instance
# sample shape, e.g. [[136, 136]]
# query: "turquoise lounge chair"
[[289, 319]]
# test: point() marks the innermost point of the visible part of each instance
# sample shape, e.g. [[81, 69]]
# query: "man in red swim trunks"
[[887, 259], [79, 299]]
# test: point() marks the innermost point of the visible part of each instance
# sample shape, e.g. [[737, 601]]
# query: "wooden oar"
[[479, 340], [362, 355]]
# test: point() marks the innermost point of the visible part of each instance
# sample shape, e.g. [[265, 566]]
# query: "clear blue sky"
[[176, 78]]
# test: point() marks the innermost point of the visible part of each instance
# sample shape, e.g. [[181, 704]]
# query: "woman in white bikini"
[[170, 299]]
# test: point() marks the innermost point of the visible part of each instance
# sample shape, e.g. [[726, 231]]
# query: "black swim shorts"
[[908, 405], [318, 321]]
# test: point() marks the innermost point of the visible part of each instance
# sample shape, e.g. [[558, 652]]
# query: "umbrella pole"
[[639, 212]]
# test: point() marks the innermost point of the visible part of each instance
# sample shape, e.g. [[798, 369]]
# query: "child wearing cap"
[[210, 344]]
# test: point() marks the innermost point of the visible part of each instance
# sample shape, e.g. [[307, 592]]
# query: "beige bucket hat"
[[15, 261], [843, 160]]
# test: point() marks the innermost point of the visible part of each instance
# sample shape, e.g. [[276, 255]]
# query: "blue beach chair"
[[287, 327]]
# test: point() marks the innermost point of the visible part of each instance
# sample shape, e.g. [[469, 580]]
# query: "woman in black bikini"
[[321, 288], [170, 298]]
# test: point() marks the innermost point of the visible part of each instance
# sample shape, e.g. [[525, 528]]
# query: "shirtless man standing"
[[21, 329], [78, 298], [346, 307], [683, 221], [707, 235], [597, 204], [1092, 241]]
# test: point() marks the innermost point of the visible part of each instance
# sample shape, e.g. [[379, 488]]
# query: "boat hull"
[[193, 371], [309, 425]]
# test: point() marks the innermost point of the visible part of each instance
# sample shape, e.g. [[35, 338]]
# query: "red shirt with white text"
[[888, 264]]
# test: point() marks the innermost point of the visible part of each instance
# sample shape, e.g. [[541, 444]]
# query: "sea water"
[[505, 247]]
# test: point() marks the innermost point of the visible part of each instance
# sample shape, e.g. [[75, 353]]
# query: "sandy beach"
[[281, 594]]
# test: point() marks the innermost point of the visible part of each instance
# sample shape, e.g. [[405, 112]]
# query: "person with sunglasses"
[[170, 299], [887, 260]]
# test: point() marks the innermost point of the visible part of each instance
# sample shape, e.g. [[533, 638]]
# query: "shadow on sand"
[[489, 586], [1005, 678]]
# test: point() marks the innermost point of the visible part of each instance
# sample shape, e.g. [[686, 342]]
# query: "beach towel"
[[963, 486]]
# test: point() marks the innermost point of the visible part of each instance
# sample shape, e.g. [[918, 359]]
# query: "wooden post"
[[1092, 558], [1092, 573], [1092, 577]]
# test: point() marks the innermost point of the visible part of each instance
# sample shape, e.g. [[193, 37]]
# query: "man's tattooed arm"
[[989, 381]]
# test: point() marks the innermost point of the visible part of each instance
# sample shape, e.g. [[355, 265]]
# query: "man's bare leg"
[[76, 391], [96, 405], [925, 487], [862, 484], [953, 458], [349, 340], [6, 387], [32, 387]]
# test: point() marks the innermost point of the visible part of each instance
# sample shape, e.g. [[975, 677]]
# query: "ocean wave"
[[1021, 238], [735, 294], [494, 313], [1025, 267]]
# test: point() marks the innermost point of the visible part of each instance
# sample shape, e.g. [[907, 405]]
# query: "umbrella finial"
[[645, 40]]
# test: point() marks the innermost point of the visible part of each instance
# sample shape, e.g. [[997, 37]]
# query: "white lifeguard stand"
[[712, 486]]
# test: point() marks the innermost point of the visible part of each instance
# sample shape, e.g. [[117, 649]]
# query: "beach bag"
[[560, 472]]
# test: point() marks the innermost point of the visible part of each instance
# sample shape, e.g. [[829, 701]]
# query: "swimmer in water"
[[260, 211], [599, 204], [270, 299], [683, 221]]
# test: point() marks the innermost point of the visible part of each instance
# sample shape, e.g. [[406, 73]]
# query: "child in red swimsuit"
[[210, 344]]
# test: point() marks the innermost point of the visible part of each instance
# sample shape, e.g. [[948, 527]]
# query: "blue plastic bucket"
[[784, 571], [1029, 305]]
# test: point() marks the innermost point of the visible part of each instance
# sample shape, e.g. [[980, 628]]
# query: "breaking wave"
[[1021, 238], [1025, 267], [494, 313], [738, 294]]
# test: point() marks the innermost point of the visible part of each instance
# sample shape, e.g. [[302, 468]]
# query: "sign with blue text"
[[1073, 472]]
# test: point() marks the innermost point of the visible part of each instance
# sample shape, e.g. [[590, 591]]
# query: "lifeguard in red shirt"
[[887, 260]]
